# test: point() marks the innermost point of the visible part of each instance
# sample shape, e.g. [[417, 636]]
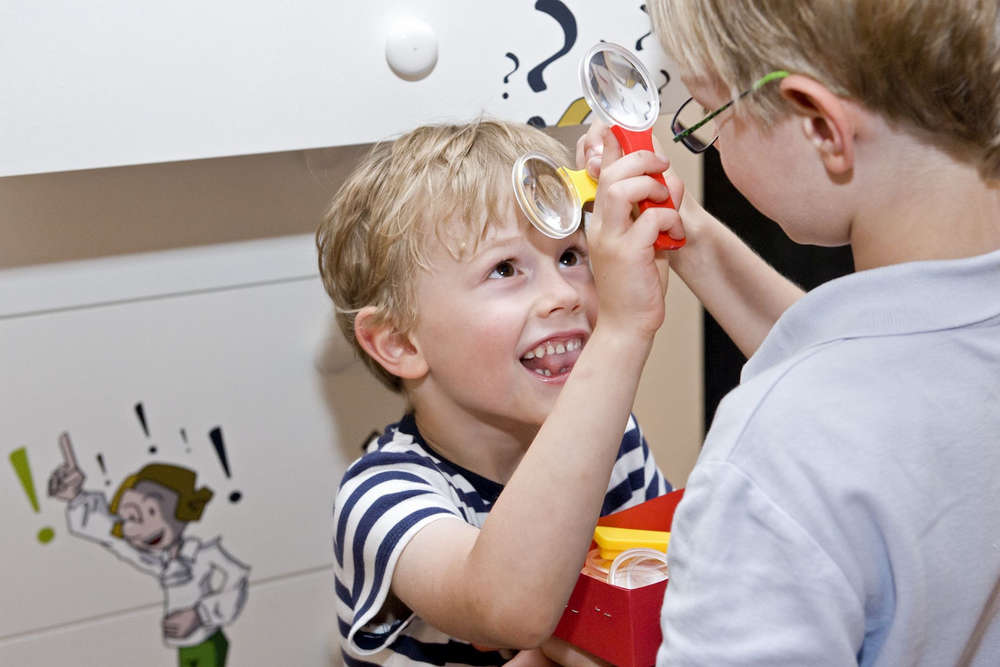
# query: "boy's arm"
[[507, 584], [743, 293]]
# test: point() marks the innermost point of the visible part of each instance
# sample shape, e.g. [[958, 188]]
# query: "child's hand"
[[590, 155], [590, 149], [531, 658], [561, 652], [631, 279]]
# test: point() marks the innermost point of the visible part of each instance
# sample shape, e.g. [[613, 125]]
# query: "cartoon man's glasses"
[[696, 130]]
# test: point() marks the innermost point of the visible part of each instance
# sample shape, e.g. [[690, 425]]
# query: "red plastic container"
[[620, 625]]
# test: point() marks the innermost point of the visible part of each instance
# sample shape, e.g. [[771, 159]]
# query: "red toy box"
[[620, 625]]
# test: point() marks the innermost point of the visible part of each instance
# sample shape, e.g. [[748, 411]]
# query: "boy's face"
[[148, 514], [501, 329], [777, 169]]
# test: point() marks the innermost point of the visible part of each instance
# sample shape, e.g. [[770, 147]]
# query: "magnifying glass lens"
[[549, 202], [618, 88]]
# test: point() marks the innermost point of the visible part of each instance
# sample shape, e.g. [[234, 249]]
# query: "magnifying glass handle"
[[631, 142]]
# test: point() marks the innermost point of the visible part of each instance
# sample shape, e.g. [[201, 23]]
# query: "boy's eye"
[[571, 257], [504, 269]]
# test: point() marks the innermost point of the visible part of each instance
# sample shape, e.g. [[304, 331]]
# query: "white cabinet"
[[216, 345], [117, 82]]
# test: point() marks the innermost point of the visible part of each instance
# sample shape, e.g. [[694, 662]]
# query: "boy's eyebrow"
[[493, 242]]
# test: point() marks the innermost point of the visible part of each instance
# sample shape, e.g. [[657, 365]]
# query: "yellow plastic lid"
[[612, 541]]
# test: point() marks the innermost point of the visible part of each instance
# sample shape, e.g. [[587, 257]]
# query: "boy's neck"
[[490, 450], [920, 203]]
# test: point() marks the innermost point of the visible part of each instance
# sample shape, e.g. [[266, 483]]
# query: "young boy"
[[466, 523], [845, 508]]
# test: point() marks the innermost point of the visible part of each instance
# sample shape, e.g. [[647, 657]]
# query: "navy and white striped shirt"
[[396, 488]]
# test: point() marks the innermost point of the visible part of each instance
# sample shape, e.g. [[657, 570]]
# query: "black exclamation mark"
[[215, 435], [140, 412], [184, 437], [100, 462]]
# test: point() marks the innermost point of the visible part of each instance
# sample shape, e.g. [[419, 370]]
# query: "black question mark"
[[567, 21], [666, 80], [506, 79], [638, 43]]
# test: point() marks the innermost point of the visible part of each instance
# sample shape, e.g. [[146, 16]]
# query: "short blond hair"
[[931, 65], [437, 184]]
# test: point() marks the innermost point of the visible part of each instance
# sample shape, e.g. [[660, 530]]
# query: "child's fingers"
[[619, 198], [633, 164], [611, 151], [590, 149], [676, 187], [654, 221]]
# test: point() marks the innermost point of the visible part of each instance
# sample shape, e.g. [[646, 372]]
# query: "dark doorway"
[[807, 266]]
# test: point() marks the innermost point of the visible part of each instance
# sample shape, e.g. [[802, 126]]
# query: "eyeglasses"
[[695, 130]]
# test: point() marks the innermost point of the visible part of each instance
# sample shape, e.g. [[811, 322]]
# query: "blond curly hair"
[[437, 184]]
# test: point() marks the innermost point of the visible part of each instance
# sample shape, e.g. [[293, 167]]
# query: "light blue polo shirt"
[[845, 508]]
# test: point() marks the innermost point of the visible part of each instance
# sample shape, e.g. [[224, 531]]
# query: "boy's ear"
[[827, 121], [392, 349]]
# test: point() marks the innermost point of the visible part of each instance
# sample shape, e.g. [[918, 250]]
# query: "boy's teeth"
[[557, 348]]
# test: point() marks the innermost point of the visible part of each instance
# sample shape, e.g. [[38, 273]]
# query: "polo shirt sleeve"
[[383, 501], [748, 585]]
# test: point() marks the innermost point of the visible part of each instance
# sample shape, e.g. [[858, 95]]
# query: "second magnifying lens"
[[550, 195], [620, 91]]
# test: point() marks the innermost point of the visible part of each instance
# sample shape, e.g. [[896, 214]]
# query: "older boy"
[[465, 524], [846, 506]]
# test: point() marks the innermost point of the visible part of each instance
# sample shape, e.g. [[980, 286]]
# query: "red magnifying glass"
[[618, 88]]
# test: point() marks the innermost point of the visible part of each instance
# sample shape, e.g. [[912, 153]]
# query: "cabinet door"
[[199, 360], [116, 82]]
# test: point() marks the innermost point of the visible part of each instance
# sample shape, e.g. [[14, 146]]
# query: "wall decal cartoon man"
[[204, 587]]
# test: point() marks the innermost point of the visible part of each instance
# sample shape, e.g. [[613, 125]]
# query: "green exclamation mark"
[[19, 459]]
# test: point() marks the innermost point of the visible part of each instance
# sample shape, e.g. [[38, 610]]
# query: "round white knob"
[[411, 49]]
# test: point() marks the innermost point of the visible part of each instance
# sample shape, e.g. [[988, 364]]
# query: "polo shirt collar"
[[891, 300]]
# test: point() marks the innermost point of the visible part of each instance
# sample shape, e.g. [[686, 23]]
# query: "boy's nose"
[[556, 294]]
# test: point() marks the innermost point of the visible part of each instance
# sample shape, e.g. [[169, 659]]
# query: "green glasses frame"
[[683, 134]]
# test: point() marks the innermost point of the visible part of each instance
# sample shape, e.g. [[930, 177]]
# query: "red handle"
[[631, 142]]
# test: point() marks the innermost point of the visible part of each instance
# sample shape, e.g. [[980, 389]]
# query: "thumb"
[[612, 149], [676, 187]]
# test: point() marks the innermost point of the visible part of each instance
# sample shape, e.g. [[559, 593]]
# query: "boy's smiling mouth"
[[554, 357]]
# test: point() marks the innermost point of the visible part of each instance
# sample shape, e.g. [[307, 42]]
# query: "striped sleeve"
[[635, 477], [384, 500]]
